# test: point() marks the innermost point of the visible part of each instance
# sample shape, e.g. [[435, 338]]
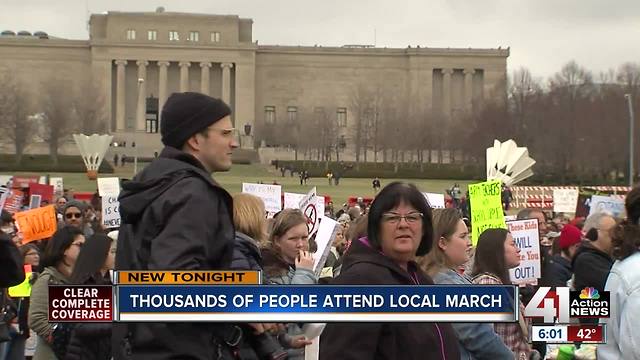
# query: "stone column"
[[184, 75], [205, 74], [468, 88], [446, 91], [244, 112], [162, 87], [120, 95], [142, 95], [226, 82]]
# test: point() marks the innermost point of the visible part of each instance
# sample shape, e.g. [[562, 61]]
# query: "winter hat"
[[186, 114], [570, 235], [76, 204]]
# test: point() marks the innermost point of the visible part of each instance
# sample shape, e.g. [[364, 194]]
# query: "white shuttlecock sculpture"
[[508, 162], [92, 148]]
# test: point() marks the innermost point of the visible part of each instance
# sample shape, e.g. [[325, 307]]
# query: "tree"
[[59, 120], [89, 105], [14, 113]]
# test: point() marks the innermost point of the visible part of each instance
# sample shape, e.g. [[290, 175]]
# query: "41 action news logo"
[[565, 305]]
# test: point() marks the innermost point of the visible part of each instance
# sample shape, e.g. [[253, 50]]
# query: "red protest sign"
[[45, 192], [22, 182]]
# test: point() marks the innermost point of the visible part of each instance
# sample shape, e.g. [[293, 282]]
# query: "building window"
[[215, 36], [270, 115], [151, 123], [194, 36], [174, 36], [342, 117], [152, 35], [131, 34], [292, 114]]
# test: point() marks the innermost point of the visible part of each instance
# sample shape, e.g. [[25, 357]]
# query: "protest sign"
[[13, 204], [4, 194], [325, 236], [109, 186], [58, 185], [292, 201], [23, 289], [435, 200], [110, 211], [309, 207], [271, 195], [45, 192], [34, 201], [486, 208], [608, 204], [37, 224], [5, 180], [23, 181], [565, 200], [510, 217], [525, 235]]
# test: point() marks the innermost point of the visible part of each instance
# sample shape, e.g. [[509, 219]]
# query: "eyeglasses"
[[79, 244], [73, 215], [393, 218]]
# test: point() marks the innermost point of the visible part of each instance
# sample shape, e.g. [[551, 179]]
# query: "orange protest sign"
[[36, 224]]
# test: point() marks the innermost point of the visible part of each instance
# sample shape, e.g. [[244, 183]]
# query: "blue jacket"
[[476, 340]]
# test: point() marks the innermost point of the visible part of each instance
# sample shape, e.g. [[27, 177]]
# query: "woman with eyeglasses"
[[59, 260], [450, 253], [92, 341], [399, 229]]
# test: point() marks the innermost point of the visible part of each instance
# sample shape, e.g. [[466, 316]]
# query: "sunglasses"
[[73, 215]]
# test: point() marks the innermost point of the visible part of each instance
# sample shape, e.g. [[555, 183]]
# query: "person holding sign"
[[496, 253], [558, 270], [174, 216], [399, 229], [449, 253]]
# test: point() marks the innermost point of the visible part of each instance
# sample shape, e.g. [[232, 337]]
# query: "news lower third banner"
[[314, 303], [166, 300]]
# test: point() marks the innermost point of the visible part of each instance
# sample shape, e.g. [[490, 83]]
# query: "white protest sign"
[[309, 207], [58, 185], [565, 200], [292, 201], [34, 201], [270, 195], [4, 194], [110, 211], [608, 204], [5, 180], [109, 186], [510, 217], [327, 232], [435, 200], [525, 235]]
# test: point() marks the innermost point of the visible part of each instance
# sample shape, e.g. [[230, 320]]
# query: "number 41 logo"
[[549, 304]]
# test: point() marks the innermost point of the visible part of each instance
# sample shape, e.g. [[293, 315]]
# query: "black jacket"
[[591, 267], [174, 217], [557, 272], [90, 341], [382, 341], [246, 254], [11, 270]]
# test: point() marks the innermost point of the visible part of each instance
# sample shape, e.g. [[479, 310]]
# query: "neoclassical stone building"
[[135, 60]]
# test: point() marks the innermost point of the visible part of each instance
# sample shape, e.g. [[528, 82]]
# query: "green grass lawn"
[[232, 181]]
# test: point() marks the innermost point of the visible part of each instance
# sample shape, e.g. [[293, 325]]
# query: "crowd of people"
[[174, 216]]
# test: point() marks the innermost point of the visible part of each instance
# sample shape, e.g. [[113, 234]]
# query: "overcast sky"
[[542, 34]]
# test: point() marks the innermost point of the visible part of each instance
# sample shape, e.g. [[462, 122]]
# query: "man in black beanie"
[[176, 217]]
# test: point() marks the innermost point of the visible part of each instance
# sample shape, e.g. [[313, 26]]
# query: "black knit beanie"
[[186, 114]]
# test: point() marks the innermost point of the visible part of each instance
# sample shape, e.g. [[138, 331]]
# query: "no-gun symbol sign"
[[308, 207]]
